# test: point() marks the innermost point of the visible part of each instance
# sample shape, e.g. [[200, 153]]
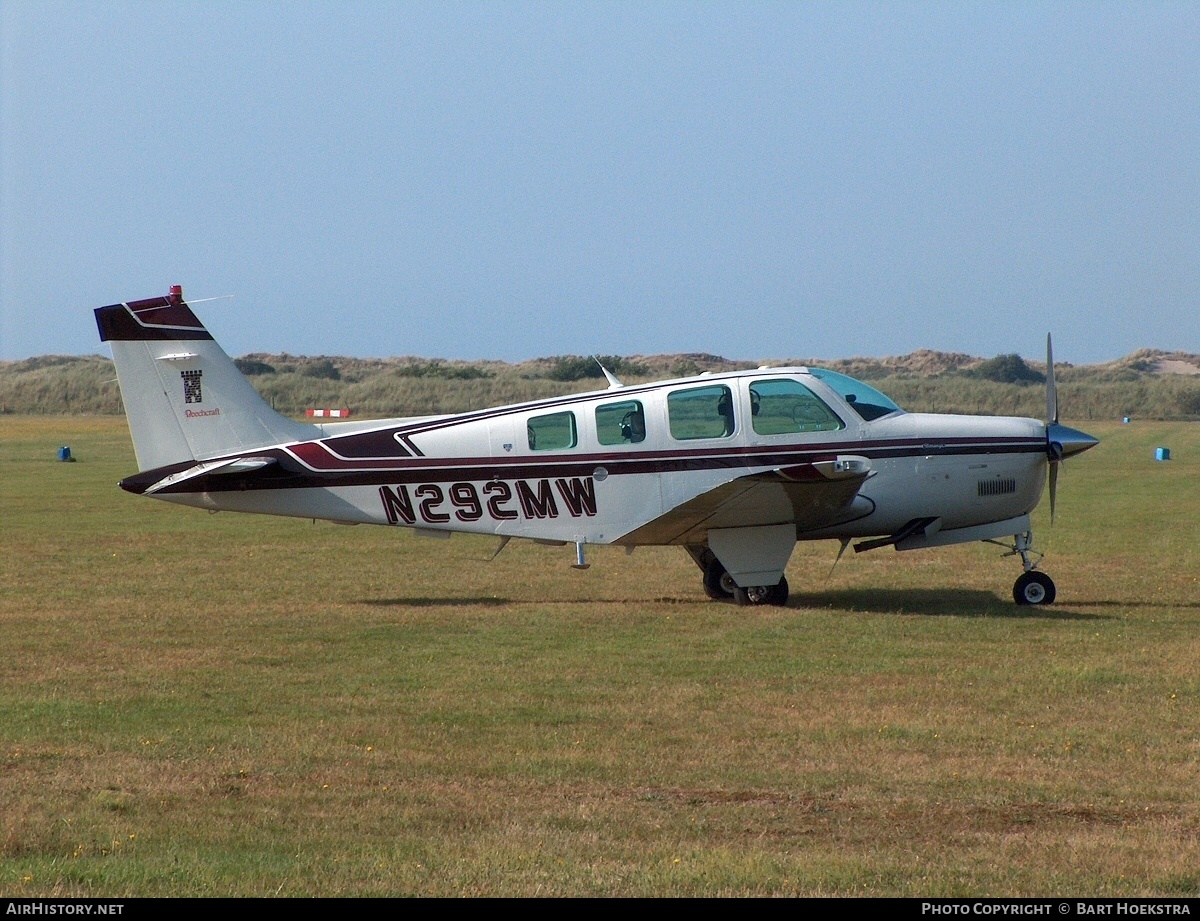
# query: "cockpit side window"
[[552, 432], [621, 423], [783, 406], [701, 412], [864, 399]]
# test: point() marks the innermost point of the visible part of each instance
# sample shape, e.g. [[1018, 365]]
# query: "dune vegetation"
[[1145, 385]]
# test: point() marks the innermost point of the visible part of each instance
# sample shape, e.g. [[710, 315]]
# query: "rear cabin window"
[[553, 432], [786, 407], [621, 423], [703, 412]]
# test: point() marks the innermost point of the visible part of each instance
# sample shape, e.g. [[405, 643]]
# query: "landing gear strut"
[[1033, 586]]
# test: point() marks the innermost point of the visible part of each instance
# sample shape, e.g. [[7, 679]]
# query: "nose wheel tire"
[[1033, 587]]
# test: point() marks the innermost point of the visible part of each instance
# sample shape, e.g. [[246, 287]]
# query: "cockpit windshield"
[[863, 399]]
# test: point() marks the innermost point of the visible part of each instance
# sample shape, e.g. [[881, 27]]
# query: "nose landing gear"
[[1033, 586]]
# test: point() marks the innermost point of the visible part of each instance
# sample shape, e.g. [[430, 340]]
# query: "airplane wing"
[[812, 497]]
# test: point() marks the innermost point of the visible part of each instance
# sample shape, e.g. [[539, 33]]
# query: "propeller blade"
[[1051, 387], [1053, 487], [1053, 448], [1061, 442]]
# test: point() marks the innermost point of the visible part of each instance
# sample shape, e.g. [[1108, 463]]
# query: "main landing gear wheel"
[[1033, 587], [718, 584], [762, 594]]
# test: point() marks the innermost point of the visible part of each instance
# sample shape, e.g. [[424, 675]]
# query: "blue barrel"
[[64, 453], [1162, 453]]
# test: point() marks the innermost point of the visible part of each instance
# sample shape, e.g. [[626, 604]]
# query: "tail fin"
[[184, 398]]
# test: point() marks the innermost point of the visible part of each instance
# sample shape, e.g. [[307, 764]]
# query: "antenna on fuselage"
[[614, 382], [845, 542], [219, 297], [503, 543]]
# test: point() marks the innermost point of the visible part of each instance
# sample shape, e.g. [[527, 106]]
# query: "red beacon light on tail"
[[176, 295]]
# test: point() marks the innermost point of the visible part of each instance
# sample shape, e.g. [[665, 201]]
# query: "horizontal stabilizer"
[[237, 465]]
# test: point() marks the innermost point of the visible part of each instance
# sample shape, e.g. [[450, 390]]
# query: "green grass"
[[212, 705]]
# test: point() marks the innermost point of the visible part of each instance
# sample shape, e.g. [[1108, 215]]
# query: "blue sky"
[[514, 180]]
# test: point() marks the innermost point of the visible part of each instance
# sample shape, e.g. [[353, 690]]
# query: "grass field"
[[222, 705]]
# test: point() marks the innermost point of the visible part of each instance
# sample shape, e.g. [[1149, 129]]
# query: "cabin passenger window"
[[785, 407], [704, 412], [553, 432], [621, 423]]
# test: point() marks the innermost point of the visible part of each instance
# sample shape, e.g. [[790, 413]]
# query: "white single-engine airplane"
[[733, 467]]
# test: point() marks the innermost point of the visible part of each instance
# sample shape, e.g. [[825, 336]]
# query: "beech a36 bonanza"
[[734, 468]]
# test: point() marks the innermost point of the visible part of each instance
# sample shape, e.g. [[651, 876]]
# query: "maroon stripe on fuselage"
[[322, 455], [381, 446]]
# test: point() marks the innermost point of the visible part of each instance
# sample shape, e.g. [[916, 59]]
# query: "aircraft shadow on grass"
[[478, 602], [932, 603], [900, 602]]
